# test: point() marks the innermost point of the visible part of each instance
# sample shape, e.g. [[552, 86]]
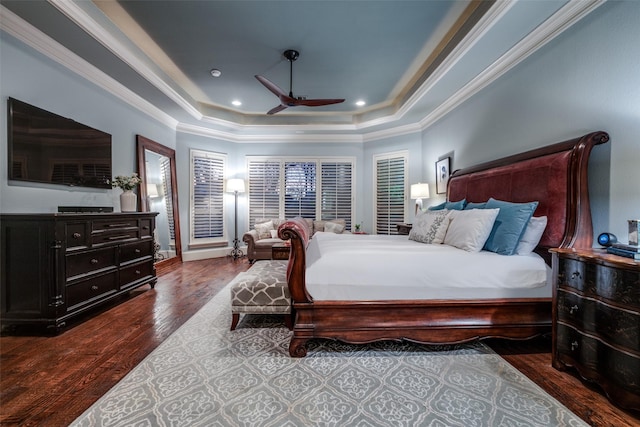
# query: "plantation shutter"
[[300, 189], [336, 193], [264, 190], [390, 184], [207, 219]]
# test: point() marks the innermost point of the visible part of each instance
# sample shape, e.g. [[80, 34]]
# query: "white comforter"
[[372, 267]]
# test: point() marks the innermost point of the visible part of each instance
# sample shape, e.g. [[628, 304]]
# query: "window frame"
[[319, 161], [404, 155], [210, 242]]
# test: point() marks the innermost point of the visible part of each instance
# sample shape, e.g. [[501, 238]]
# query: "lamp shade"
[[235, 184], [152, 190], [419, 191]]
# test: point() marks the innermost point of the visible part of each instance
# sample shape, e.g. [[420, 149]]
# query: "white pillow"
[[333, 227], [274, 234], [264, 229], [532, 235], [470, 229], [430, 227]]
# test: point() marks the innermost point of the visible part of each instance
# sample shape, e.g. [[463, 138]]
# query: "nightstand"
[[280, 251], [403, 228], [596, 320]]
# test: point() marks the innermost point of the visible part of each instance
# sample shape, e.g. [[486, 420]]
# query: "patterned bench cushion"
[[261, 289]]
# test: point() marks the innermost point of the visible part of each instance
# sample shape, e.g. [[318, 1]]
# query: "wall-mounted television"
[[48, 148]]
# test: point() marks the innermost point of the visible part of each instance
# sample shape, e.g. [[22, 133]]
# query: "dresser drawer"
[[134, 251], [119, 224], [595, 358], [77, 235], [114, 237], [614, 284], [613, 324], [146, 227], [90, 290], [83, 263], [130, 276]]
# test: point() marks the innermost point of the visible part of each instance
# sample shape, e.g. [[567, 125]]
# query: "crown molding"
[[27, 34], [100, 34], [568, 15], [560, 21]]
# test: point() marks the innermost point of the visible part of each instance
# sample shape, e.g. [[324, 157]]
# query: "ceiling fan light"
[[215, 72], [360, 103], [236, 102]]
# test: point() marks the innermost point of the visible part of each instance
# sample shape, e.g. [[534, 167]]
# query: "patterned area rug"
[[206, 375]]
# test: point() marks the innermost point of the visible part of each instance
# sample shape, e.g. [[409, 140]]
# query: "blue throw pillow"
[[473, 205], [437, 207], [509, 226], [456, 206]]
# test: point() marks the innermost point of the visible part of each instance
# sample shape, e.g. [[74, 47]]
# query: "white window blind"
[[264, 190], [207, 197], [291, 187], [391, 188], [300, 189], [336, 192]]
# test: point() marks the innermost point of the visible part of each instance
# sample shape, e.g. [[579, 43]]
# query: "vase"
[[128, 201]]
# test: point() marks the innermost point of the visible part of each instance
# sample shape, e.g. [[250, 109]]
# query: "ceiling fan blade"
[[276, 109], [318, 102], [271, 86]]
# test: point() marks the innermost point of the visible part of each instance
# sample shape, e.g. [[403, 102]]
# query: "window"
[[207, 198], [390, 181], [291, 187]]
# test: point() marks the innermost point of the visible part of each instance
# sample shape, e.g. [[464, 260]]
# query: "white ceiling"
[[410, 61]]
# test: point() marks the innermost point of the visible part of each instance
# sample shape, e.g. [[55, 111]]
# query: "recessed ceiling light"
[[236, 103], [360, 103], [215, 72]]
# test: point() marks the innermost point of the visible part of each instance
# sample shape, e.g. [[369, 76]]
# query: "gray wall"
[[30, 77], [585, 80]]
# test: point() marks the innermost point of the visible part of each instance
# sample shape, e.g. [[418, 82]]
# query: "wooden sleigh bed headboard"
[[556, 176]]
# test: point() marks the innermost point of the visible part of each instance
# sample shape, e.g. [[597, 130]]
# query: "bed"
[[555, 176]]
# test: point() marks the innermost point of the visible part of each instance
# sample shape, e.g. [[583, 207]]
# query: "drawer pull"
[[77, 235], [573, 309], [119, 237], [94, 288], [575, 274], [137, 251], [117, 225], [138, 272], [94, 261], [146, 227], [574, 345]]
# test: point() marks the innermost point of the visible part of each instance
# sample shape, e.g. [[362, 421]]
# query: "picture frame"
[[442, 174]]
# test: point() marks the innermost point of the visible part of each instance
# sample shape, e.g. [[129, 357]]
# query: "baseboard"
[[194, 255]]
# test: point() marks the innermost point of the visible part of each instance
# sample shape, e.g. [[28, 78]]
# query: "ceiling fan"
[[289, 100]]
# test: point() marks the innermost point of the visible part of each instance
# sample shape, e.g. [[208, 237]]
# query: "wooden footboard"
[[556, 176]]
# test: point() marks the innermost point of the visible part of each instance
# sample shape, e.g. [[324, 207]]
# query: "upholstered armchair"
[[260, 239]]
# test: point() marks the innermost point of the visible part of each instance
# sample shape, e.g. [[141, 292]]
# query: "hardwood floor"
[[49, 381]]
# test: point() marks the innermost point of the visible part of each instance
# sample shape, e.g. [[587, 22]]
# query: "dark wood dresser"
[[596, 320], [55, 266]]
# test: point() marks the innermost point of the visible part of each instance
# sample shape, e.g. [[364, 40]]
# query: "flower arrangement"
[[126, 182]]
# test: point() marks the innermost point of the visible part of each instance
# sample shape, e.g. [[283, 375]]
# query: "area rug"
[[206, 375]]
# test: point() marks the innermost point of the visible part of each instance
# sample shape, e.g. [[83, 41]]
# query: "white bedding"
[[372, 267]]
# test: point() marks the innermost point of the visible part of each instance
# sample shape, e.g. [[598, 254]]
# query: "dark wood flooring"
[[49, 381]]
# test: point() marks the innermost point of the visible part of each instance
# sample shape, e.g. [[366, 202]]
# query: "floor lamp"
[[235, 186]]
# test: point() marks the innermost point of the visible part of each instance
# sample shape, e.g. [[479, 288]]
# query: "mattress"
[[380, 267]]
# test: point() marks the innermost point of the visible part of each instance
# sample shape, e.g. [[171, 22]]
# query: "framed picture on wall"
[[442, 175]]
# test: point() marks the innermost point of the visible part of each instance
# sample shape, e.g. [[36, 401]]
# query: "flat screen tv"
[[47, 148]]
